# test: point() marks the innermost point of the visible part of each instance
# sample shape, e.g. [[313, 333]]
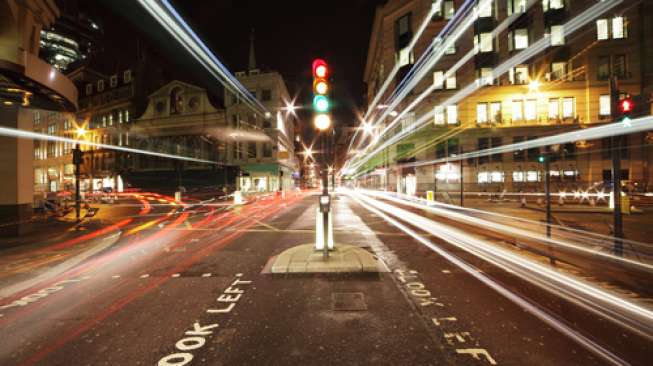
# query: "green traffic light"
[[541, 159], [321, 104]]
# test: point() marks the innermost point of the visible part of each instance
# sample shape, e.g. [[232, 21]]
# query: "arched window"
[[176, 100]]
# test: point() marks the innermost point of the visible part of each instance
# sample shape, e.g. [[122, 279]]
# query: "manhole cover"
[[348, 301]]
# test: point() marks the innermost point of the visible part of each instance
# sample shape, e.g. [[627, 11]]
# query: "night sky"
[[289, 35]]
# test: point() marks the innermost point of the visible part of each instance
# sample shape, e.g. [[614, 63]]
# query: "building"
[[562, 88], [263, 146]]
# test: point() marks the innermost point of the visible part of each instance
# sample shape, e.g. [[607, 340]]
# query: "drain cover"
[[348, 301]]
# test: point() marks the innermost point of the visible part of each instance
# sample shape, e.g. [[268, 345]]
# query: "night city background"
[[387, 182]]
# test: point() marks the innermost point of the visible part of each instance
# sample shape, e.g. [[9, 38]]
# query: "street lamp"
[[77, 161]]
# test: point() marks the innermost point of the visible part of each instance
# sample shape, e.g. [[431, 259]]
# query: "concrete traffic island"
[[342, 259]]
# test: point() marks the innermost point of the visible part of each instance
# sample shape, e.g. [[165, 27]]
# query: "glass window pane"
[[568, 108], [517, 110], [602, 29], [521, 39], [553, 108], [618, 27], [452, 114], [438, 79], [439, 115], [481, 113], [604, 105], [557, 35], [530, 109]]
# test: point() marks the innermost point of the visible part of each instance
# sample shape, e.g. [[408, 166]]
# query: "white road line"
[[446, 271], [115, 276], [206, 275], [145, 276], [175, 275]]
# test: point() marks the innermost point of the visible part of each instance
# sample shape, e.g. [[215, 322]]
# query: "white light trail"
[[619, 310], [169, 19], [532, 308], [11, 132]]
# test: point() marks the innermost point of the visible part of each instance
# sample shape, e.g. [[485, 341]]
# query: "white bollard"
[[319, 231]]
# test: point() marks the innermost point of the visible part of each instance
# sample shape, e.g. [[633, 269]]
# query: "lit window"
[[449, 9], [533, 176], [519, 75], [120, 117], [127, 116], [481, 113], [558, 70], [483, 177], [89, 89], [557, 35], [602, 29], [554, 106], [450, 50], [438, 79], [520, 38], [113, 81], [405, 57], [530, 110], [111, 119], [451, 82], [485, 11], [552, 4], [604, 105], [486, 76], [496, 177], [495, 112], [618, 28], [483, 43], [439, 115], [568, 108], [517, 176], [104, 121], [603, 68], [516, 6], [452, 114], [517, 114]]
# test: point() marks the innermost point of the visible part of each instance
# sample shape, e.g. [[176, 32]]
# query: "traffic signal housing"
[[321, 87]]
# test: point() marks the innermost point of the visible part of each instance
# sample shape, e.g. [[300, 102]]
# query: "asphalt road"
[[188, 287]]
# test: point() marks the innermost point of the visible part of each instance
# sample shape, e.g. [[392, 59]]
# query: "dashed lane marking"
[[175, 275], [206, 275], [145, 276], [115, 276]]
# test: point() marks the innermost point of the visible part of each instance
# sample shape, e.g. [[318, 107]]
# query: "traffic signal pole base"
[[319, 230], [342, 259]]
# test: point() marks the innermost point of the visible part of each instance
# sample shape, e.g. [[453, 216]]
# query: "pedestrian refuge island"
[[324, 255]]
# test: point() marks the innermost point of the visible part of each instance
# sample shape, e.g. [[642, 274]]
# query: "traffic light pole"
[[77, 160], [547, 193], [616, 171], [462, 187], [325, 193]]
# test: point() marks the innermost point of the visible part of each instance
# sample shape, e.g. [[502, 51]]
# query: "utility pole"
[[462, 187], [616, 170], [547, 192]]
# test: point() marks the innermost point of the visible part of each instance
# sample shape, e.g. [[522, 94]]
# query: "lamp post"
[[77, 161]]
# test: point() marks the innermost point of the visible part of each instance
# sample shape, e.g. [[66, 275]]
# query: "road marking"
[[446, 271], [175, 275], [115, 276], [36, 296], [195, 338], [145, 276]]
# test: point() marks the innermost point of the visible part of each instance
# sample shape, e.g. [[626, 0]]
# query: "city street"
[[196, 288]]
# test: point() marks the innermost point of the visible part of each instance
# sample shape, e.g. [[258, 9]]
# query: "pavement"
[[184, 288]]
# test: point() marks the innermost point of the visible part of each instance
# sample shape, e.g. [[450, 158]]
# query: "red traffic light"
[[626, 105], [320, 69]]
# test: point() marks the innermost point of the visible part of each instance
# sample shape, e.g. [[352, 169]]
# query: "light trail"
[[619, 310], [12, 132], [527, 305], [591, 13], [451, 212], [166, 15]]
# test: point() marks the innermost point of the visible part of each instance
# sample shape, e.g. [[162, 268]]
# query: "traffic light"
[[321, 103]]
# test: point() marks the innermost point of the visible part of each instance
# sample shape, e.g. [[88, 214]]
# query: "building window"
[[495, 112], [127, 76], [251, 150], [405, 57], [450, 50], [619, 67], [568, 108], [451, 82], [438, 79], [552, 4], [530, 110], [618, 28], [557, 35], [113, 81], [483, 177], [452, 114], [267, 150], [533, 176], [517, 107], [89, 89], [100, 85], [481, 113], [516, 7], [483, 143], [104, 121], [558, 71], [111, 119], [127, 115], [603, 69], [120, 121], [604, 105], [486, 76], [518, 177], [483, 43], [602, 32], [448, 9], [485, 11], [266, 95], [518, 39], [439, 115], [496, 177], [519, 75], [403, 33], [496, 142], [554, 108]]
